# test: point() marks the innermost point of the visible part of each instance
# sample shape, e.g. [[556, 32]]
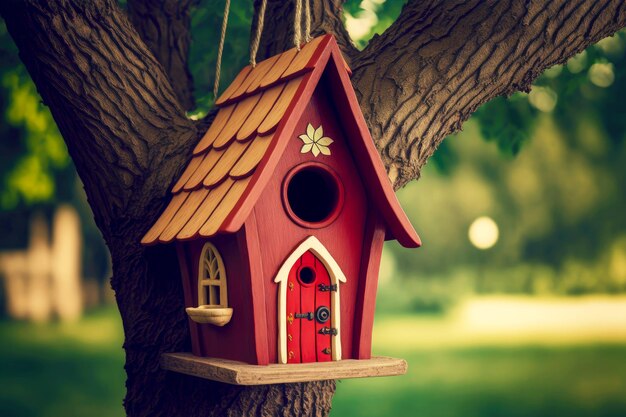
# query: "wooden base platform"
[[239, 373]]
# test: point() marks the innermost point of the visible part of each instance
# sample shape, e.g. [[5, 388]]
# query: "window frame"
[[216, 278]]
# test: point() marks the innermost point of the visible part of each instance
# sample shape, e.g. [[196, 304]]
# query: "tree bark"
[[441, 59], [164, 25], [127, 133]]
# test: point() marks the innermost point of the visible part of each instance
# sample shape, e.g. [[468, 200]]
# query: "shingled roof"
[[226, 174]]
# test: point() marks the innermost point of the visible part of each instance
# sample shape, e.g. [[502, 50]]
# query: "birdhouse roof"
[[235, 158]]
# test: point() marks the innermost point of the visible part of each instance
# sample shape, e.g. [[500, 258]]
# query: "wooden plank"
[[205, 210], [212, 157], [278, 111], [260, 112], [250, 250], [264, 67], [225, 164], [183, 215], [279, 67], [322, 298], [307, 305], [223, 116], [164, 219], [251, 158], [241, 113], [195, 162], [302, 58], [239, 373], [231, 198], [373, 241], [292, 306], [239, 79], [346, 66], [257, 72]]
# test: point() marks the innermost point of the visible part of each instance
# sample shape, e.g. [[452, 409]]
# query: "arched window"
[[212, 290]]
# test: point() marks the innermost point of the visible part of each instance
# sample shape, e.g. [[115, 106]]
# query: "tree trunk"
[[164, 27], [125, 128]]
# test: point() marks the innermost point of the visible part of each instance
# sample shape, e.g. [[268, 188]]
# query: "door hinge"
[[323, 287], [328, 330]]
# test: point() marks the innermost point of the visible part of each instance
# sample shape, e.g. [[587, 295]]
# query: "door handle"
[[307, 315]]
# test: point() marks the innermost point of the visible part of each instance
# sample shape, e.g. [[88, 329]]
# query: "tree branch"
[[164, 25], [441, 59]]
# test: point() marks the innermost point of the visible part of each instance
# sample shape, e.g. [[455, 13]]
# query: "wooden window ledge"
[[217, 316]]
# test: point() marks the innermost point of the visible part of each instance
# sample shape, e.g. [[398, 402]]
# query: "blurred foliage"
[[556, 195], [33, 156], [36, 172], [206, 25], [553, 183], [365, 19]]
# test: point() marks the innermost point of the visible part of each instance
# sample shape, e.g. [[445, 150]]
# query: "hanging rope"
[[254, 46], [307, 21], [220, 49], [297, 25]]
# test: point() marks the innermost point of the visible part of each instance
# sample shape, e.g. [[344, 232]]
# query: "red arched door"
[[309, 330]]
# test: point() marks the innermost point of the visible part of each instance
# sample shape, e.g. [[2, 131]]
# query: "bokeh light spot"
[[601, 74], [483, 232], [542, 98]]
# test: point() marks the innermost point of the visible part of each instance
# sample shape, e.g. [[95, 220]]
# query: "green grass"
[[77, 370], [483, 382], [62, 369]]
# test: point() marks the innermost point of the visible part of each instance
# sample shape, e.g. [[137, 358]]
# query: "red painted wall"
[[279, 235], [236, 340]]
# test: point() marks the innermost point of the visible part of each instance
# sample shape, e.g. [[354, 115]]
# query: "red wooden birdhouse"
[[280, 216]]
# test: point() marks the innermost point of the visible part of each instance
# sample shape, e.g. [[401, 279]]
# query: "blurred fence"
[[44, 280]]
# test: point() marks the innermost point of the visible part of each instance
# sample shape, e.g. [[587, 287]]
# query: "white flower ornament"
[[315, 141]]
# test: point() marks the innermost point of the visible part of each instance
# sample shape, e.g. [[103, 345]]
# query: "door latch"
[[308, 315], [328, 330], [323, 287], [326, 351]]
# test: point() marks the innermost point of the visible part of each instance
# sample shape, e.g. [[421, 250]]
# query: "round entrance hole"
[[313, 195], [306, 275]]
